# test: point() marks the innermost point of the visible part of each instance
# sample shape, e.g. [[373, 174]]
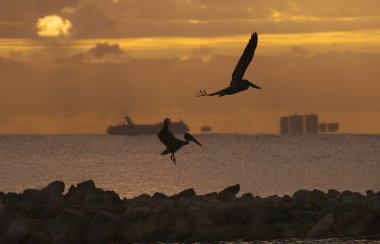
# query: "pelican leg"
[[172, 157]]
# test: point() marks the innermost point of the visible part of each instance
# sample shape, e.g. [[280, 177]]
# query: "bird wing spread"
[[166, 137], [245, 59]]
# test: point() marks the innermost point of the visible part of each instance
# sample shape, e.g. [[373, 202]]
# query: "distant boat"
[[206, 128], [133, 129]]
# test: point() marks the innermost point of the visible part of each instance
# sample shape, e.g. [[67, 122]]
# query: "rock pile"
[[90, 214]]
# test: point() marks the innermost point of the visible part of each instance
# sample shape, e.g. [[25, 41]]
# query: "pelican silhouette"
[[237, 83], [173, 144]]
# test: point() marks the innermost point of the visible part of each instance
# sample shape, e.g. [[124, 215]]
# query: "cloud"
[[103, 49], [101, 52], [53, 26], [141, 18]]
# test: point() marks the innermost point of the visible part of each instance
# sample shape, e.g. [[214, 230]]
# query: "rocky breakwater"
[[90, 214]]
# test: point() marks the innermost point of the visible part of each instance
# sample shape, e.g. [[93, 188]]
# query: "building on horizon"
[[305, 124], [332, 127], [296, 124], [284, 125], [322, 127], [311, 124]]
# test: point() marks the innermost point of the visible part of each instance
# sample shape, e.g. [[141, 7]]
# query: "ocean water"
[[262, 164]]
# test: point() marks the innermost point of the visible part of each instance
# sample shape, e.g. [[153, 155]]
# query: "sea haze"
[[262, 164]]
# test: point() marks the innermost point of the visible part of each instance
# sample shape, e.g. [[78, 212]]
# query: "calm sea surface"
[[261, 164]]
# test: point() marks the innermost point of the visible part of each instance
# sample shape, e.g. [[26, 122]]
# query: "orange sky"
[[77, 66]]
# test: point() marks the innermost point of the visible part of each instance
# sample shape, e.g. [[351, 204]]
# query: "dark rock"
[[301, 198], [246, 197], [229, 194], [18, 229], [36, 196], [11, 199], [37, 236], [99, 198], [347, 214], [331, 193], [322, 227], [114, 197], [188, 193], [2, 197], [103, 228], [363, 226], [203, 231], [138, 213], [87, 187], [56, 187], [262, 232], [374, 202], [182, 227], [159, 196], [142, 197], [74, 194], [36, 210], [89, 214], [71, 218]]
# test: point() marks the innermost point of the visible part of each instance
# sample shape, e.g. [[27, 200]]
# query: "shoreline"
[[85, 213]]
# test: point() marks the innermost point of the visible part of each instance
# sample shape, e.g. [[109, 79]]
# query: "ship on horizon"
[[133, 129]]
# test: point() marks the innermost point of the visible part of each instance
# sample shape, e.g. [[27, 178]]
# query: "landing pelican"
[[237, 83], [173, 144]]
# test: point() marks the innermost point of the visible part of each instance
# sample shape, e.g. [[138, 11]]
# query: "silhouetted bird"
[[237, 83], [173, 144]]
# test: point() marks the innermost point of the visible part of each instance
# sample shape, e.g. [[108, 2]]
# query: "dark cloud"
[[104, 49], [137, 18], [101, 52]]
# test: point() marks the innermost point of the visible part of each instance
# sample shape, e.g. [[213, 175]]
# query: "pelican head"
[[189, 137], [251, 84]]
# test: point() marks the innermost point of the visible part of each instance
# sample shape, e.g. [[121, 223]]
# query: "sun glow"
[[53, 26]]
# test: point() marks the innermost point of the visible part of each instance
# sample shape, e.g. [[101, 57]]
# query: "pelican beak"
[[254, 86], [195, 140]]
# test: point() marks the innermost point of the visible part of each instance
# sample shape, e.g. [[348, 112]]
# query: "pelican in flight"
[[237, 83], [173, 144]]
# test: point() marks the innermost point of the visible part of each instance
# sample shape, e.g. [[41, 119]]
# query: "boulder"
[[347, 214], [87, 187], [159, 196], [103, 228], [2, 197], [55, 187], [374, 202], [74, 194], [18, 229], [262, 232], [229, 194], [138, 213], [36, 196], [38, 236], [71, 218], [11, 199], [363, 226], [188, 193], [301, 198], [322, 227]]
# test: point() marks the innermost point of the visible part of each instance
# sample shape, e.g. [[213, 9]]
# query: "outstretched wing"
[[165, 136], [245, 59]]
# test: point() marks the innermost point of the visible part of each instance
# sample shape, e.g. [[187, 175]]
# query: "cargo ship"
[[131, 129]]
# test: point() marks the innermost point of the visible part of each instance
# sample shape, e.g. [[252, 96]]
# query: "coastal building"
[[284, 125], [311, 124], [322, 127], [305, 124], [332, 127], [296, 124]]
